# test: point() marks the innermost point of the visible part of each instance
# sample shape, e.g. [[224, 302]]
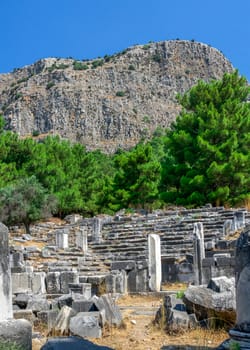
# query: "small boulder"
[[85, 325]]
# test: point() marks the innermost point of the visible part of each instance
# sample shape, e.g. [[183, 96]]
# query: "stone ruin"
[[240, 334], [11, 330], [84, 259]]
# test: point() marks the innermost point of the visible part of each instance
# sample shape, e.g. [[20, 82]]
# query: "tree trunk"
[[27, 227]]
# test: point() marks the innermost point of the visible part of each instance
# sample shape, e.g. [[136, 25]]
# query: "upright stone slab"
[[97, 230], [38, 283], [154, 252], [82, 240], [199, 251], [239, 220], [67, 277], [53, 283], [5, 276], [240, 334], [62, 238], [227, 227]]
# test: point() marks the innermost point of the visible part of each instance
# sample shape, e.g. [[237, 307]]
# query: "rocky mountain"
[[110, 102]]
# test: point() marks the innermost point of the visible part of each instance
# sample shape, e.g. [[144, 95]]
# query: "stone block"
[[108, 308], [38, 303], [21, 300], [221, 284], [83, 306], [17, 331], [82, 288], [21, 283], [62, 238], [67, 277], [85, 326], [63, 319], [123, 265], [24, 314], [142, 281], [131, 282], [38, 283], [63, 300], [53, 282], [48, 317]]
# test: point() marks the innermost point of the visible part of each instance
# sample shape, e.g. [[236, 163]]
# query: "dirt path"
[[139, 332]]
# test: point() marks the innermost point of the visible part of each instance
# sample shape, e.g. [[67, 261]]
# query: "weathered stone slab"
[[5, 275], [24, 314], [82, 288], [17, 331], [123, 265], [65, 299], [154, 268], [38, 303], [108, 308], [48, 317], [22, 300], [85, 326], [21, 282], [83, 306], [62, 238], [67, 277], [222, 284], [53, 283], [62, 321], [38, 283]]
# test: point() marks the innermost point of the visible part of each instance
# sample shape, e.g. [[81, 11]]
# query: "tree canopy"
[[25, 202], [210, 143]]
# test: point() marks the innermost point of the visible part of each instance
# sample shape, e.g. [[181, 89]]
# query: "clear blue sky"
[[34, 29]]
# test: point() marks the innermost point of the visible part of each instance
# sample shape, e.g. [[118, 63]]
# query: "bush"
[[146, 47], [131, 67], [79, 65], [97, 63], [120, 93], [146, 119], [156, 58], [50, 84], [35, 133]]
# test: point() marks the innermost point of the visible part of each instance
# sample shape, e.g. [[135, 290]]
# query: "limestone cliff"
[[111, 102]]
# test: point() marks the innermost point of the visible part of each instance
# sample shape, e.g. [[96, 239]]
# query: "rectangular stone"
[[123, 265], [83, 305], [48, 317], [21, 282], [38, 283], [82, 288]]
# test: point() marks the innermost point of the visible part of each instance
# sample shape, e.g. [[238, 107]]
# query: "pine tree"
[[210, 143]]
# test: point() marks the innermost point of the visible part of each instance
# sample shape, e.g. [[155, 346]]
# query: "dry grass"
[[139, 332]]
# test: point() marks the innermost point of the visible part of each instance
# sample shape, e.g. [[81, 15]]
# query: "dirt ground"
[[139, 333]]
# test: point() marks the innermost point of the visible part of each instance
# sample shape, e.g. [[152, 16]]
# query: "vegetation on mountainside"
[[204, 157]]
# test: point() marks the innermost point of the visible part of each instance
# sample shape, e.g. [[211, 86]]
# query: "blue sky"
[[35, 29]]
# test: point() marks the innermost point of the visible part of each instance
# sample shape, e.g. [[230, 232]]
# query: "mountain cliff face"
[[111, 102]]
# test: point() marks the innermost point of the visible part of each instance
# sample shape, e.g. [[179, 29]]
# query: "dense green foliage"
[[210, 143], [204, 157], [137, 177], [25, 202]]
